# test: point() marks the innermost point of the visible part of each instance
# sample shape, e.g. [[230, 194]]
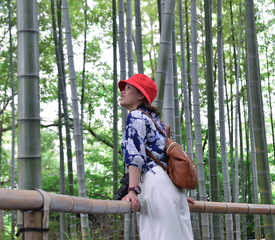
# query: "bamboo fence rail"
[[35, 199]]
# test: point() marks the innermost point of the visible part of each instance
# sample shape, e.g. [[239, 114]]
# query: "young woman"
[[164, 211]]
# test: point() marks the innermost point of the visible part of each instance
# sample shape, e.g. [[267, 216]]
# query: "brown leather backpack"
[[181, 168]]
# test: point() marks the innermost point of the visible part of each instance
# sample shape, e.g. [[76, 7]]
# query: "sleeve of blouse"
[[133, 144]]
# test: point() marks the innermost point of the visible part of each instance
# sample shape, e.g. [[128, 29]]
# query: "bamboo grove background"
[[61, 124]]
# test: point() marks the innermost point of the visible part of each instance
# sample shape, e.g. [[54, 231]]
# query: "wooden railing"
[[38, 204]]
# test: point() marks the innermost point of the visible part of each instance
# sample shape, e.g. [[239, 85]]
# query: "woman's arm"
[[134, 179], [134, 176]]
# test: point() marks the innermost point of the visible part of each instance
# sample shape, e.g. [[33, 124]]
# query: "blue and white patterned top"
[[141, 134]]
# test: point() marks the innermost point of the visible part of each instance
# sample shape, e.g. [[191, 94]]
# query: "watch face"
[[136, 189]]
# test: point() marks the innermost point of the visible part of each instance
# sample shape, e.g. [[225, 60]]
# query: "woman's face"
[[130, 97]]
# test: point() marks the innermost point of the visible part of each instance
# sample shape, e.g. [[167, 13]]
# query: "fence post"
[[2, 226], [32, 225], [46, 212], [36, 223]]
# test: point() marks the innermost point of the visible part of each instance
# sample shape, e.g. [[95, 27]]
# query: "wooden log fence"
[[35, 200], [40, 201]]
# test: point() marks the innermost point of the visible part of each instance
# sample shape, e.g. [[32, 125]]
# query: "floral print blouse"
[[141, 134]]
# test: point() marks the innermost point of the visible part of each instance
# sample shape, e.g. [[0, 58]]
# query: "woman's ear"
[[141, 96]]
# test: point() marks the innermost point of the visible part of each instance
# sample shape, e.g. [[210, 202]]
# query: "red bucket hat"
[[143, 83]]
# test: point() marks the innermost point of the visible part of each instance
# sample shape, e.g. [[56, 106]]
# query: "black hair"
[[145, 104]]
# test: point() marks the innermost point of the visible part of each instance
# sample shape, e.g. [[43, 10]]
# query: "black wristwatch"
[[136, 189]]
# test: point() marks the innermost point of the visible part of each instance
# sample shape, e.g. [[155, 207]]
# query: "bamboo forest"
[[61, 123]]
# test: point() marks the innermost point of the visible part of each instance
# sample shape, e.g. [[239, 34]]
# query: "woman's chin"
[[123, 104]]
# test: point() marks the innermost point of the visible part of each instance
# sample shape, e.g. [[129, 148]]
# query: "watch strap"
[[136, 189]]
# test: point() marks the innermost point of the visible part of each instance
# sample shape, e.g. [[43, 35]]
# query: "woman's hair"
[[145, 104]]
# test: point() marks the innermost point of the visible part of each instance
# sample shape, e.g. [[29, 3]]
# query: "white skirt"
[[164, 211]]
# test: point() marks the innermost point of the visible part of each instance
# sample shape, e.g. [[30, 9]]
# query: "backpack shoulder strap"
[[168, 134], [156, 160], [157, 126]]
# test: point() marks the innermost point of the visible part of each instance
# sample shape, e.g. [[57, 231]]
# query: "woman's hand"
[[134, 178], [133, 198], [190, 200]]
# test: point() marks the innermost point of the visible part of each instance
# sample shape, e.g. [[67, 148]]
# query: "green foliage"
[[50, 161], [6, 161], [7, 235], [99, 162]]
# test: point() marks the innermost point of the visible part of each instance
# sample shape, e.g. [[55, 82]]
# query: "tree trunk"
[[229, 125], [84, 69], [258, 118], [29, 148], [29, 141], [185, 105], [165, 41], [226, 181], [213, 161], [61, 153], [115, 119], [243, 175], [168, 102], [122, 54], [270, 105], [233, 38], [231, 119], [176, 88], [63, 97], [257, 222], [130, 225], [62, 79], [76, 122], [129, 39], [236, 196], [13, 120], [61, 164], [139, 37], [188, 53], [2, 226], [197, 119], [159, 14]]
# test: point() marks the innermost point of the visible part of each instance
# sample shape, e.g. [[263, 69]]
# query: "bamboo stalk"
[[33, 200]]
